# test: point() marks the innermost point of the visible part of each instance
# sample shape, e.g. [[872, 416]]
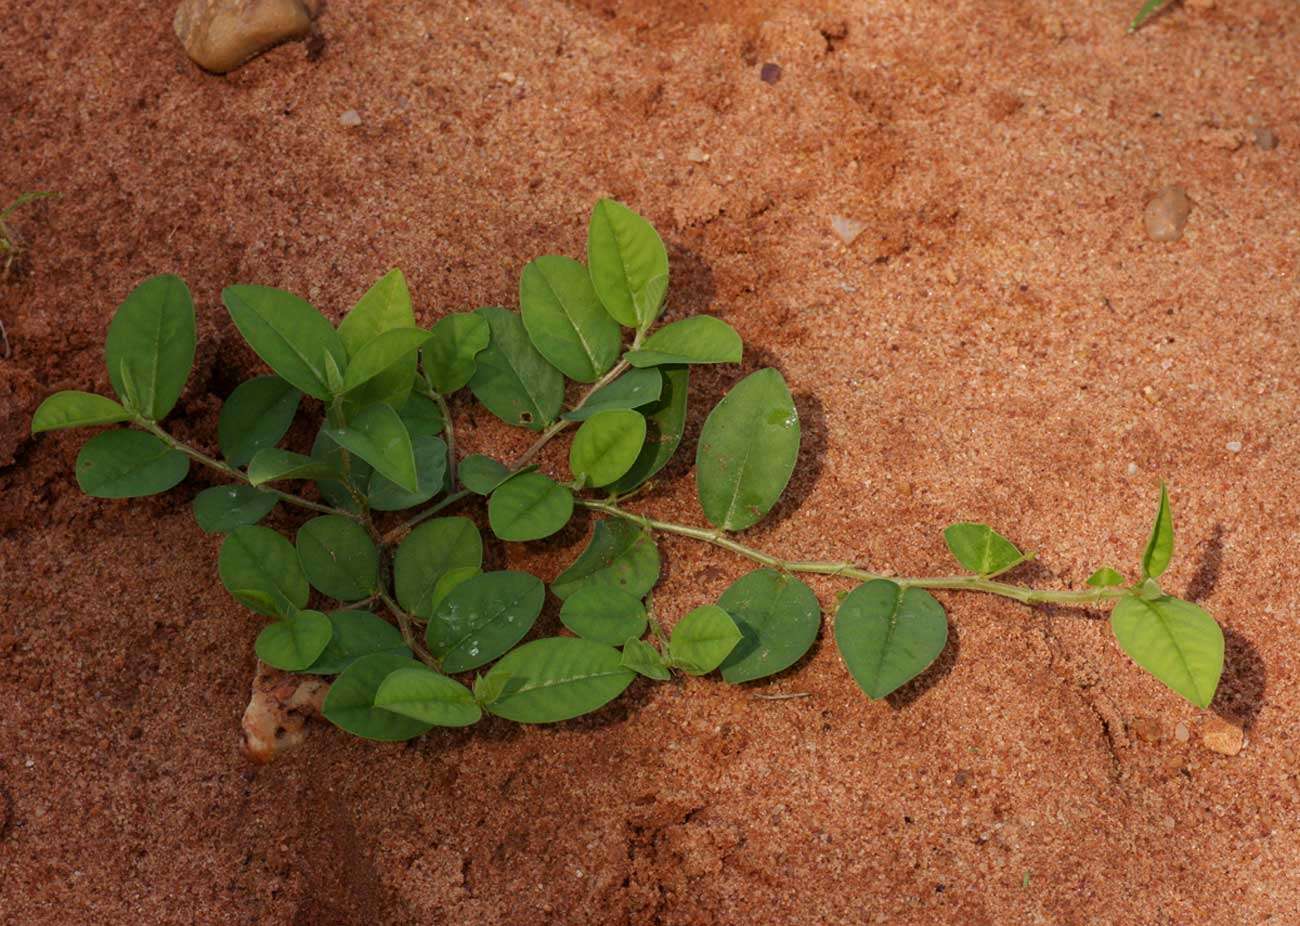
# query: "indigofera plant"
[[452, 641]]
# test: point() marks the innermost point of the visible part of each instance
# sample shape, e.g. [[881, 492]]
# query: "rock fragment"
[[278, 710], [1222, 737], [846, 229], [770, 73], [350, 118], [1265, 139], [1166, 215], [220, 35]]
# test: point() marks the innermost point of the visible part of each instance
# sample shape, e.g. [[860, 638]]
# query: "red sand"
[[1002, 344]]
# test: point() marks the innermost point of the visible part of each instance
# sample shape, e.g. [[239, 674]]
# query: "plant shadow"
[[1209, 568], [1241, 687]]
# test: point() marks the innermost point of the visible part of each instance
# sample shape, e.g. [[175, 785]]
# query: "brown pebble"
[[1265, 139], [220, 35], [1181, 733], [1146, 729], [770, 73], [1166, 214], [1222, 737]]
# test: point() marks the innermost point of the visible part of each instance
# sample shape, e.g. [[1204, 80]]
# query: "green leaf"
[[665, 424], [1160, 546], [981, 549], [604, 614], [334, 490], [747, 451], [261, 569], [887, 636], [529, 506], [483, 617], [556, 679], [565, 320], [1105, 577], [620, 555], [429, 552], [421, 415], [424, 695], [606, 446], [626, 257], [643, 659], [1175, 641], [431, 473], [778, 617], [449, 581], [699, 339], [350, 703], [76, 410], [272, 464], [128, 464], [356, 634], [256, 416], [702, 640], [633, 389], [512, 379], [397, 349], [288, 333], [450, 356], [378, 436], [221, 509], [482, 474], [385, 307], [338, 558], [294, 643], [1146, 12], [151, 341], [488, 688]]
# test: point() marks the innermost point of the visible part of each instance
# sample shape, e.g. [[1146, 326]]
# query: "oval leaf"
[[450, 356], [887, 636], [397, 348], [558, 678], [1160, 545], [128, 464], [482, 474], [378, 436], [429, 552], [747, 451], [665, 424], [565, 320], [702, 640], [272, 464], [76, 410], [295, 642], [288, 334], [981, 549], [350, 703], [627, 260], [529, 506], [699, 339], [512, 379], [221, 509], [257, 415], [356, 634], [421, 415], [338, 558], [431, 473], [604, 614], [483, 617], [150, 346], [778, 617], [1175, 641], [424, 695], [261, 569], [606, 446], [633, 389], [621, 554]]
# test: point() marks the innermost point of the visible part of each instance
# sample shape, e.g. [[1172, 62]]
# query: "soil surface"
[[1002, 343]]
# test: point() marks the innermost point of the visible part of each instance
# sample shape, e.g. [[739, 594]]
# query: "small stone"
[[350, 118], [1132, 469], [770, 73], [1265, 139], [1146, 729], [1222, 737], [696, 156], [1234, 446], [220, 35], [1181, 733], [1166, 215], [847, 230], [506, 77]]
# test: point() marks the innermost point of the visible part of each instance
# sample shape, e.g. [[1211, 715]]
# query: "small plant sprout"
[[379, 579]]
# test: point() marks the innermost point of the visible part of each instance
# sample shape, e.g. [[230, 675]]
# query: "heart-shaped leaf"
[[428, 697], [294, 642], [702, 640], [529, 506], [256, 416], [634, 389], [356, 634], [76, 410], [450, 356], [512, 379], [699, 339], [128, 464], [288, 334], [429, 552], [483, 617], [606, 446], [887, 635], [1175, 641], [378, 436], [556, 679], [151, 343], [565, 320], [665, 424], [626, 257], [620, 555], [261, 569], [221, 509], [778, 617], [338, 558], [604, 614], [981, 549], [350, 703]]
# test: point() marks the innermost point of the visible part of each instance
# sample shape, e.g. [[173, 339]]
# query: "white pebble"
[[1234, 446], [1132, 469], [350, 118], [847, 229]]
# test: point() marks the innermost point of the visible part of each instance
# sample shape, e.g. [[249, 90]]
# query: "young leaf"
[[620, 555], [643, 659], [702, 640], [261, 569], [604, 614], [151, 341], [483, 617], [1175, 641], [433, 549], [606, 446], [431, 473], [338, 558], [887, 636], [1105, 577], [665, 424], [395, 350], [385, 307], [487, 688], [747, 451], [482, 474], [450, 356], [378, 436], [257, 415], [981, 549], [512, 379], [529, 506], [356, 634], [698, 339], [424, 695], [350, 703], [76, 410], [1148, 10], [626, 258], [221, 509], [565, 320], [294, 642], [288, 333], [557, 678], [633, 389], [272, 464], [1160, 546], [778, 617], [128, 464]]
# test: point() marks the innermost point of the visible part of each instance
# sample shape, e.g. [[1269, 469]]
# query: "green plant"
[[387, 444], [1149, 9]]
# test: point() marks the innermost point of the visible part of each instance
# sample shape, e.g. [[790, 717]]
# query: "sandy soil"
[[1003, 343]]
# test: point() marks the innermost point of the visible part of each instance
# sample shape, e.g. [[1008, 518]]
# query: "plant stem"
[[408, 635], [956, 583], [545, 437], [401, 530], [449, 430]]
